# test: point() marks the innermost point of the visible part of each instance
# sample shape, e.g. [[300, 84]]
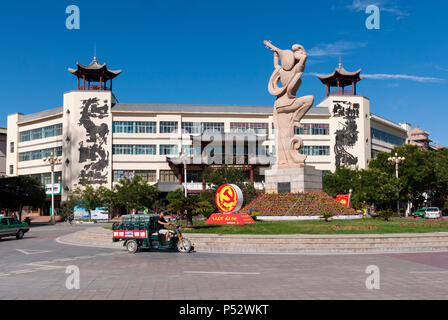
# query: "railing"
[[342, 93], [93, 88]]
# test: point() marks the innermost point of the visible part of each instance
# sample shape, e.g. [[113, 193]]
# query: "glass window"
[[145, 127], [317, 129], [386, 137], [168, 176], [168, 126], [212, 127], [11, 147], [191, 127], [11, 169], [257, 128], [315, 150], [168, 149], [45, 132]]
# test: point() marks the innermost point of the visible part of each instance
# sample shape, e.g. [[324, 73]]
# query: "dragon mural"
[[92, 152], [347, 134]]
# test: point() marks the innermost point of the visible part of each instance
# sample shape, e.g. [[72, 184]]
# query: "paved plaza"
[[35, 268]]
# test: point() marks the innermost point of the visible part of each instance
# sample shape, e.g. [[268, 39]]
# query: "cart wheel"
[[132, 246], [19, 235], [184, 246]]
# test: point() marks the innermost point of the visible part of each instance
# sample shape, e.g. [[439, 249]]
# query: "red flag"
[[344, 199]]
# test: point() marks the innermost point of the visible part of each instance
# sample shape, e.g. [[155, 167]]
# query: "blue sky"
[[211, 52]]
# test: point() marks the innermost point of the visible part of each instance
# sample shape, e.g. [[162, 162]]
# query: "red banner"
[[234, 218], [344, 199]]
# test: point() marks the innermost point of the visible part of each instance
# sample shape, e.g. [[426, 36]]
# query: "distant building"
[[3, 139], [102, 140]]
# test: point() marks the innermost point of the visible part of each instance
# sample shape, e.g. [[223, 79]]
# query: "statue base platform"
[[293, 180]]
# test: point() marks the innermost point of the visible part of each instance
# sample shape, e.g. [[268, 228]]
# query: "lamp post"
[[184, 157], [397, 160], [52, 161]]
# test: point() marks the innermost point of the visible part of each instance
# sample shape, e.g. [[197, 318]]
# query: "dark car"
[[10, 227]]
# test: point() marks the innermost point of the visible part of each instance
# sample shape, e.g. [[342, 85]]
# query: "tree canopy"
[[17, 192], [423, 174]]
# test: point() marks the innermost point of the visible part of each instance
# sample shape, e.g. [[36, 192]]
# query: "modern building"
[[3, 132], [101, 140]]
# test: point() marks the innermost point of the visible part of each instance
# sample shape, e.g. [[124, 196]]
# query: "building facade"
[[3, 147], [101, 141]]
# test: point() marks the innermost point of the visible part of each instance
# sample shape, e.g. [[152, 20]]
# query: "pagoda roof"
[[94, 71], [345, 77]]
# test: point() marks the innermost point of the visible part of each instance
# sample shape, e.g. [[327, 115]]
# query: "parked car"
[[433, 213], [419, 213], [10, 226]]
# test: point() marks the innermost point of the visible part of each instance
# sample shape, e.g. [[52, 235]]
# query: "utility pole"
[[52, 161], [397, 160]]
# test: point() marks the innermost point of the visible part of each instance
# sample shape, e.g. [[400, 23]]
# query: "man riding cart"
[[145, 231]]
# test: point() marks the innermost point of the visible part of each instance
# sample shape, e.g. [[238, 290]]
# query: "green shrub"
[[327, 215], [386, 214]]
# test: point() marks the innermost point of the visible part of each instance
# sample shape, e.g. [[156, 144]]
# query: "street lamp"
[[397, 160], [52, 161], [184, 157]]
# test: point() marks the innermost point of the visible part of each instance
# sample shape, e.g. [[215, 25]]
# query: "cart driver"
[[162, 224]]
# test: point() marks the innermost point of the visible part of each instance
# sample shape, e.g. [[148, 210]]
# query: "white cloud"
[[338, 48], [384, 76], [361, 5]]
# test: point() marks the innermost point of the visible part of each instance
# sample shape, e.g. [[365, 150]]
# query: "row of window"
[[315, 129], [132, 149], [315, 150], [386, 137], [40, 154], [45, 178], [170, 175], [166, 127], [243, 127], [40, 133]]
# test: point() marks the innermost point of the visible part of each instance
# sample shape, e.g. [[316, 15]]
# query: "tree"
[[108, 199], [216, 177], [191, 205], [20, 191], [87, 198], [136, 194]]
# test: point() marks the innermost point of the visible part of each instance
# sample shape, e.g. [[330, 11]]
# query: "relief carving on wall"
[[347, 133], [92, 152]]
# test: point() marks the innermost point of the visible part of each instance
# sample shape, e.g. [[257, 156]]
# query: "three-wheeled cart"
[[140, 232]]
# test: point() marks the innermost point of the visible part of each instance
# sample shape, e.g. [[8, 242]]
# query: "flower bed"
[[297, 204]]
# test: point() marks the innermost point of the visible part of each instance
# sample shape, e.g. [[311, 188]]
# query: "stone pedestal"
[[300, 179]]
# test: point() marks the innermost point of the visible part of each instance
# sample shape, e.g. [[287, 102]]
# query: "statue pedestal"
[[294, 180]]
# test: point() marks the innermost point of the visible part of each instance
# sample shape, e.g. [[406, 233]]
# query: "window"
[[134, 127], [386, 137], [168, 149], [40, 154], [147, 175], [191, 127], [168, 176], [11, 169], [194, 176], [168, 126], [212, 127], [4, 222], [258, 128], [191, 150], [134, 149], [45, 132], [11, 147], [145, 127], [315, 150], [315, 129]]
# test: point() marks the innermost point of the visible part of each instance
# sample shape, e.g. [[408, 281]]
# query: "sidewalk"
[[282, 244]]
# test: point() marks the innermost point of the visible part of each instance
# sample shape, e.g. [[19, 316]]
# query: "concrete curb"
[[284, 244]]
